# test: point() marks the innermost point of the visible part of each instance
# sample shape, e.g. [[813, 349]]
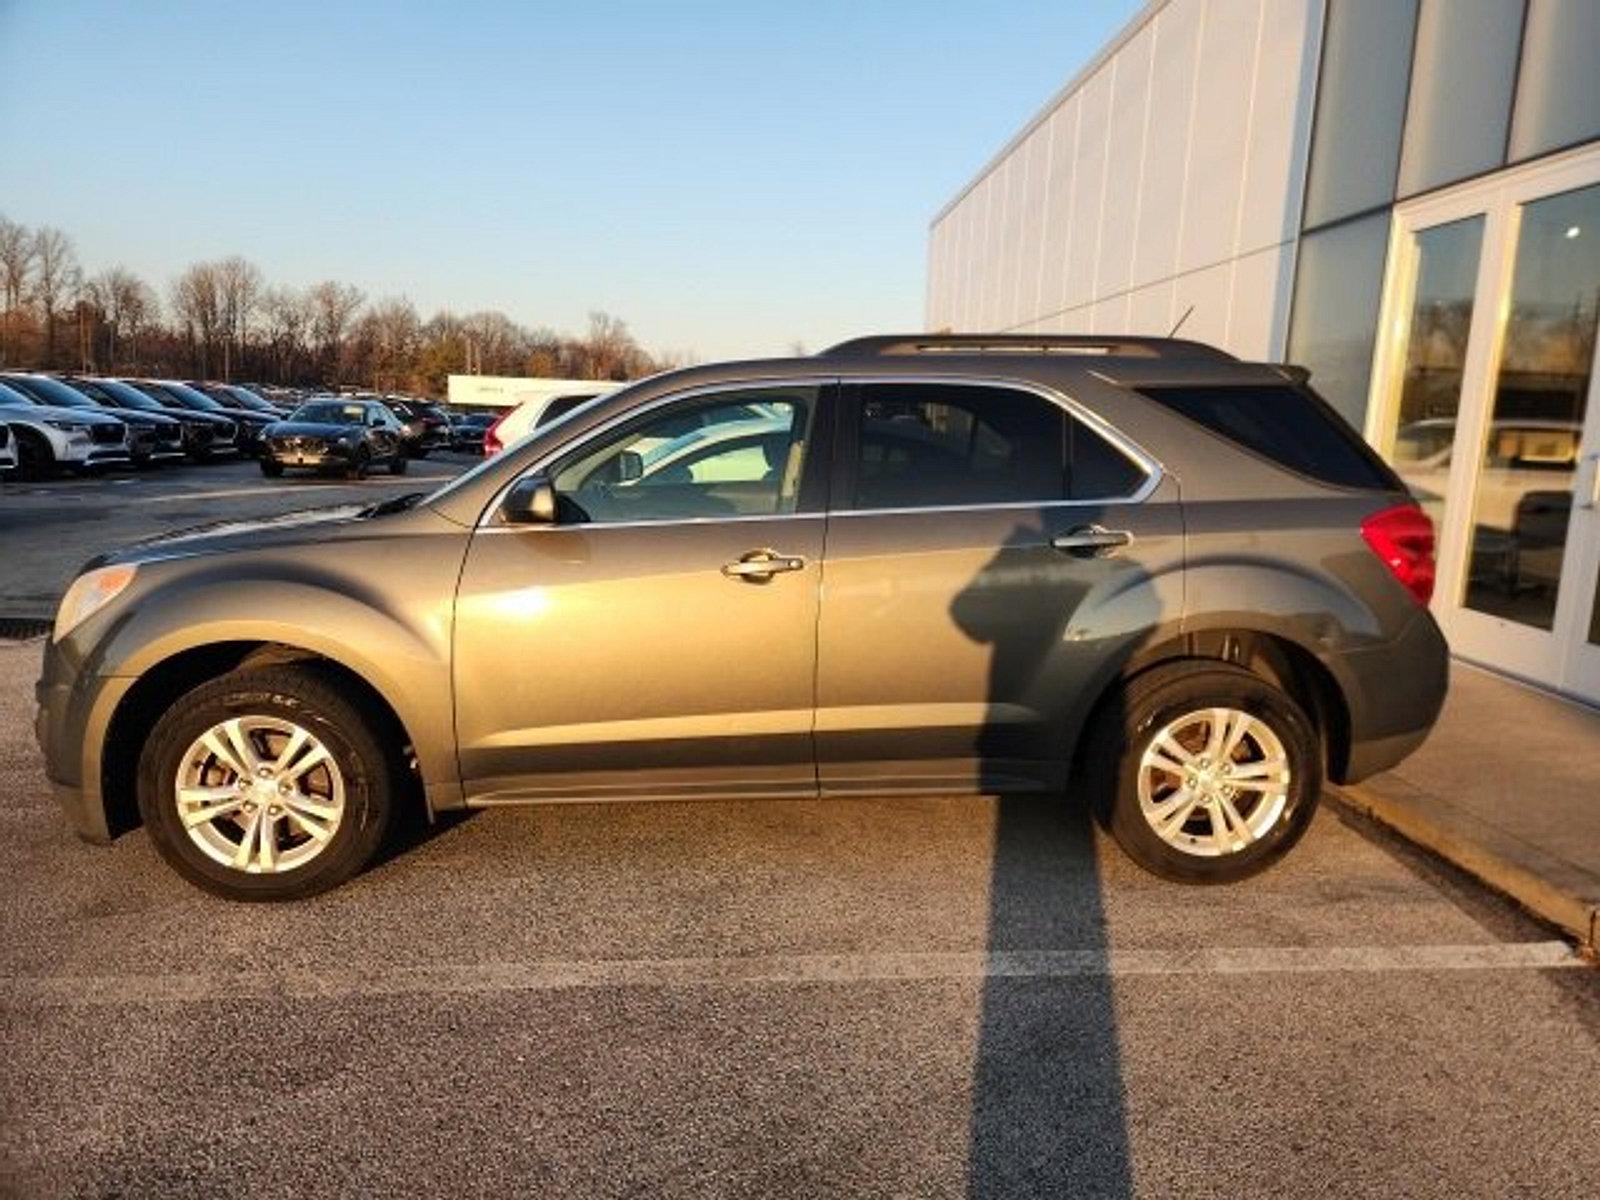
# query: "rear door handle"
[[758, 566], [1092, 541]]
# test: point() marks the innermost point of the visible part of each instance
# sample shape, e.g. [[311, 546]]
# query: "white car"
[[47, 438], [536, 413]]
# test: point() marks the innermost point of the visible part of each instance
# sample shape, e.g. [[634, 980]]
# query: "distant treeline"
[[222, 320]]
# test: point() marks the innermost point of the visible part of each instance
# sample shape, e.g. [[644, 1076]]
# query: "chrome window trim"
[[1126, 446]]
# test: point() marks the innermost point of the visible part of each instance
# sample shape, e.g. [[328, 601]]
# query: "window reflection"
[[1420, 442], [1525, 479]]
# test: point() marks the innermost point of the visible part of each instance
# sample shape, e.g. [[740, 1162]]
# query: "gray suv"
[[1138, 570]]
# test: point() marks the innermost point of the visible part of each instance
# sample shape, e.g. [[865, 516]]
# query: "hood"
[[139, 416], [318, 429], [84, 416], [229, 535]]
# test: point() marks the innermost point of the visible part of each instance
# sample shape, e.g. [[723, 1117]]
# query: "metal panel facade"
[[1167, 176]]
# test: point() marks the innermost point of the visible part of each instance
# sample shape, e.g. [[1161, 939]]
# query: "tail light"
[[491, 436], [1403, 538]]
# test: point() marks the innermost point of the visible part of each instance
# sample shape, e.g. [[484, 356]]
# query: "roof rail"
[[1088, 345]]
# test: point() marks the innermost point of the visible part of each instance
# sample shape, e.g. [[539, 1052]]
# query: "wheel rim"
[[1214, 782], [260, 795]]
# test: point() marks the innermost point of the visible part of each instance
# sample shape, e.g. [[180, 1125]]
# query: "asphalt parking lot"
[[915, 997]]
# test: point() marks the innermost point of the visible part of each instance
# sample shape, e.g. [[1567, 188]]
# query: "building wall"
[[1166, 178], [1413, 96]]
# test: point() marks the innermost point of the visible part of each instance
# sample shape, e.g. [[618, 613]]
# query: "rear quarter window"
[[1292, 426]]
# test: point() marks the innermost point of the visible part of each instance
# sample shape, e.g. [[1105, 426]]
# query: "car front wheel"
[[1205, 772], [266, 784]]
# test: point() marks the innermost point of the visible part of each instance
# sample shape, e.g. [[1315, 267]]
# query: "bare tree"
[[287, 317], [56, 280], [388, 337], [333, 306], [197, 302], [124, 303], [16, 264], [239, 287]]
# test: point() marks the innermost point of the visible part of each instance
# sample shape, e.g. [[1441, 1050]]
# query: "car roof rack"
[[1086, 345]]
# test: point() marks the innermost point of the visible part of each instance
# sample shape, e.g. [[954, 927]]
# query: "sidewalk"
[[1508, 789]]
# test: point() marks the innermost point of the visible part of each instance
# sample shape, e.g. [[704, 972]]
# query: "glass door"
[[1484, 401]]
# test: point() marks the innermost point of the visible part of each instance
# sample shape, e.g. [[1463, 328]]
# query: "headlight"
[[67, 426], [89, 593]]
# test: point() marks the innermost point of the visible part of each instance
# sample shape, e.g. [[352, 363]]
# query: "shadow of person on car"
[[1047, 1107]]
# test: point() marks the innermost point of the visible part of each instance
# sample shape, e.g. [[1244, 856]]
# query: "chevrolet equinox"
[[1136, 569]]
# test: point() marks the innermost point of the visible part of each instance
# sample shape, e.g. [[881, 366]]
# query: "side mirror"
[[630, 466], [531, 501]]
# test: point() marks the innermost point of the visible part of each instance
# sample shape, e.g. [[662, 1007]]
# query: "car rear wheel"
[[266, 785], [1204, 772]]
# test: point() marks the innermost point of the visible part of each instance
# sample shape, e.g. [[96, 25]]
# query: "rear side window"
[[932, 445], [1292, 426]]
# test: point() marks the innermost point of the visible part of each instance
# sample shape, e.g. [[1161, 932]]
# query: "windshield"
[[122, 395], [249, 399], [10, 396], [330, 412], [50, 391], [187, 396]]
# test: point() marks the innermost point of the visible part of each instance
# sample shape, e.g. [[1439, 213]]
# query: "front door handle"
[[1092, 541], [758, 566]]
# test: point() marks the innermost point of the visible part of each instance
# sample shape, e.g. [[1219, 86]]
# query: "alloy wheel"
[[1214, 782], [259, 794]]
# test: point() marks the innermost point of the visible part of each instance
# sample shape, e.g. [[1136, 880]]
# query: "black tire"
[[398, 464], [1131, 719], [199, 455], [419, 451], [35, 458], [360, 464], [370, 770], [272, 470]]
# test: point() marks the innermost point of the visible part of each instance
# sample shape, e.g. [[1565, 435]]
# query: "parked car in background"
[[236, 395], [50, 439], [467, 431], [349, 436], [248, 422], [536, 414], [427, 426], [151, 437], [205, 435], [1019, 598], [8, 450]]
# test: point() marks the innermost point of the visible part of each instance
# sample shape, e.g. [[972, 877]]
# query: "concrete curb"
[[1550, 888]]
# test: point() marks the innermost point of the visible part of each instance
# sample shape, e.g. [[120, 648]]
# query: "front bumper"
[[74, 714]]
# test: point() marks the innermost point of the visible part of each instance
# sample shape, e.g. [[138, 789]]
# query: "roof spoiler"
[[1085, 345]]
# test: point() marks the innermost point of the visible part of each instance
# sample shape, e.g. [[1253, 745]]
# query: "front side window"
[[735, 454], [935, 445]]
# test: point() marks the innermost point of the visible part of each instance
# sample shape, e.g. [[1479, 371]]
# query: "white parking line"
[[491, 978]]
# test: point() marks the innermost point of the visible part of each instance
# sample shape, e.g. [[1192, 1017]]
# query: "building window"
[[1558, 88], [1361, 106], [1461, 83], [1338, 290]]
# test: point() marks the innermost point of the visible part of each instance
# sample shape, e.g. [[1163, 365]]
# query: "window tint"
[[925, 445], [1291, 426], [732, 455]]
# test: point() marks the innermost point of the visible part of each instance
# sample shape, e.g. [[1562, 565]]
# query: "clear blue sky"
[[726, 177]]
